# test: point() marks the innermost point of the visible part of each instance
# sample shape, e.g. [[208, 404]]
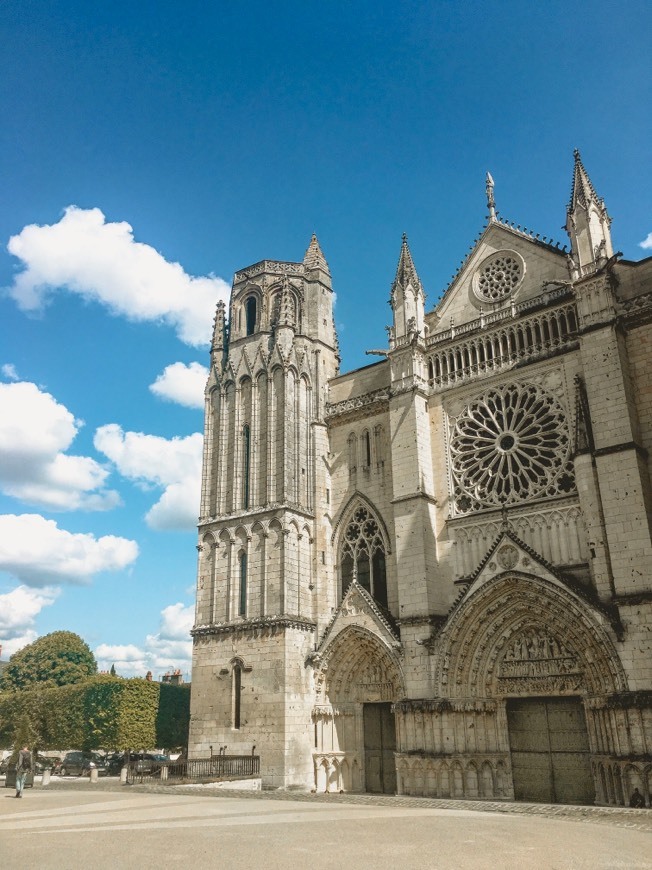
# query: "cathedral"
[[433, 575]]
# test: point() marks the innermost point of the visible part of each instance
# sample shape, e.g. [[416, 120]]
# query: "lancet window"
[[242, 592], [250, 314], [236, 693], [246, 464], [362, 555]]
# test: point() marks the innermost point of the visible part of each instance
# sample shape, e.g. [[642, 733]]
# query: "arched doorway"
[[537, 651], [358, 679]]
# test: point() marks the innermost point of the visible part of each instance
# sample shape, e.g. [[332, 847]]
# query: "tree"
[[112, 670], [56, 659]]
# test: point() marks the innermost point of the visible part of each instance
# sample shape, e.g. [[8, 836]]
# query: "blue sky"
[[150, 149]]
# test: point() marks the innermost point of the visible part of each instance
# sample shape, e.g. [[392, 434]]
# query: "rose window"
[[499, 276], [508, 445]]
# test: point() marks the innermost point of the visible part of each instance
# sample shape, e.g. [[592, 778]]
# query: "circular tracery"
[[499, 276], [509, 444]]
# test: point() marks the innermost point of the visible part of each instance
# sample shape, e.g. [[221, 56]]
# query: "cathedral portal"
[[358, 680]]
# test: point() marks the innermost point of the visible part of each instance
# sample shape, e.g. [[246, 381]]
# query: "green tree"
[[56, 659], [112, 672]]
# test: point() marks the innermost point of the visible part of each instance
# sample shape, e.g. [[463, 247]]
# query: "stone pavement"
[[73, 823]]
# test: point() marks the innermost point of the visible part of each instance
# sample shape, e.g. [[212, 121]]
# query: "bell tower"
[[264, 480]]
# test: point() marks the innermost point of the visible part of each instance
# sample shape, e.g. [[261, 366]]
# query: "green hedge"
[[102, 712]]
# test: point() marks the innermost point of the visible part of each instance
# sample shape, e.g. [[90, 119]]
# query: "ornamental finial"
[[491, 202]]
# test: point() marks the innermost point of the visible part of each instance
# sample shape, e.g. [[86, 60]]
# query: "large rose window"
[[509, 444], [498, 276]]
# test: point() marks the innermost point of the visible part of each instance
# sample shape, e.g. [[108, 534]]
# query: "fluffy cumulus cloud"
[[646, 243], [173, 465], [35, 432], [18, 610], [99, 260], [168, 650], [38, 553], [182, 383], [9, 372]]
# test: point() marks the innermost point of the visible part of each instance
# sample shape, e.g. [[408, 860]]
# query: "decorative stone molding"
[[444, 705], [263, 627], [373, 402], [276, 267]]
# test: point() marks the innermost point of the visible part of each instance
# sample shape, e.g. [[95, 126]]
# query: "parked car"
[[80, 764], [42, 762], [149, 762]]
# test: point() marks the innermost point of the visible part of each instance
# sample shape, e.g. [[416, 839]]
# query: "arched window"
[[246, 464], [242, 592], [362, 555], [352, 444], [236, 693], [378, 443], [250, 308], [366, 441]]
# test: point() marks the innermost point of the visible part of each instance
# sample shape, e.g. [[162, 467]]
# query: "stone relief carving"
[[535, 662], [507, 557]]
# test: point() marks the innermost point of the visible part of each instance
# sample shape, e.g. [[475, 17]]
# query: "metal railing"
[[219, 767]]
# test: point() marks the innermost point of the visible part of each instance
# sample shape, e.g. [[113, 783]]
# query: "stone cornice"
[[275, 267], [242, 517], [271, 624], [377, 400]]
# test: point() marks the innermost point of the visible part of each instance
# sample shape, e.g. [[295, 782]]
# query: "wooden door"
[[550, 750], [379, 748]]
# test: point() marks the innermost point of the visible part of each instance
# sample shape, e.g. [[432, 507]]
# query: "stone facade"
[[433, 575]]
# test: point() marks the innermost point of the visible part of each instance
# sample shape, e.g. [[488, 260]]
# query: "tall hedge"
[[173, 717], [103, 712]]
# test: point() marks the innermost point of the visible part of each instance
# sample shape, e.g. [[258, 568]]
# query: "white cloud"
[[18, 610], [38, 553], [35, 430], [9, 372], [168, 650], [173, 465], [646, 243], [182, 383], [97, 260]]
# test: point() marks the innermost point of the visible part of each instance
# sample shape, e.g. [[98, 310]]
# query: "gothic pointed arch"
[[358, 666], [362, 546], [523, 634], [346, 512]]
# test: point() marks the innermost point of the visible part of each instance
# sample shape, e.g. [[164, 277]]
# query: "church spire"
[[407, 297], [314, 257], [405, 271], [587, 224]]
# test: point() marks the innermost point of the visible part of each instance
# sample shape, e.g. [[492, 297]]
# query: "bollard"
[[94, 774], [123, 775], [45, 779], [164, 773]]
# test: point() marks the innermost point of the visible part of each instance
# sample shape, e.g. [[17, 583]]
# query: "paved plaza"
[[75, 824]]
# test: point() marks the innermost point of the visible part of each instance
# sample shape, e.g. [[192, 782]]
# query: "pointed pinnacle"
[[314, 257]]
